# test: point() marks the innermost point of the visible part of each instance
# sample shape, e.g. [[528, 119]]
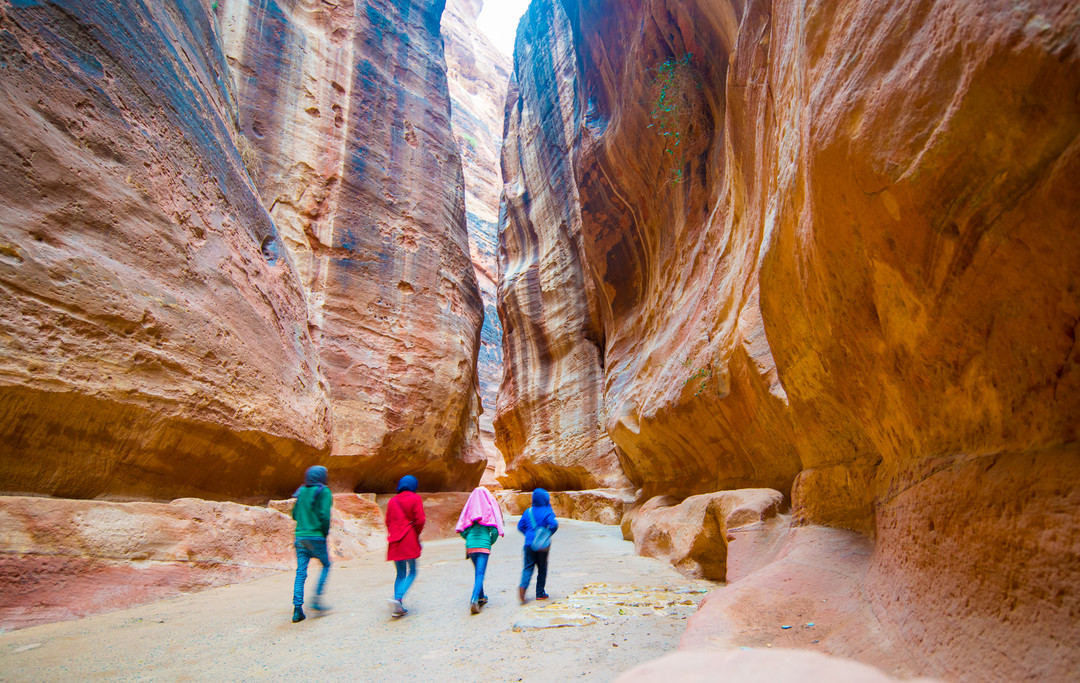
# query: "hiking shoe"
[[474, 607], [521, 594], [542, 596], [319, 606], [298, 614]]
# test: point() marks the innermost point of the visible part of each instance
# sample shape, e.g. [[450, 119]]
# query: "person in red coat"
[[404, 522]]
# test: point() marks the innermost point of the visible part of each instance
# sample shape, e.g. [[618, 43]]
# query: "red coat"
[[404, 522]]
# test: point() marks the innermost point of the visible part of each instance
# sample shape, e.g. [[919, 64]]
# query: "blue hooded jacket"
[[542, 515]]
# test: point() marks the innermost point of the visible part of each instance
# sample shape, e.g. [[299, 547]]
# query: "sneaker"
[[400, 613], [521, 594], [319, 606], [474, 607], [298, 614], [482, 601], [396, 608], [542, 596]]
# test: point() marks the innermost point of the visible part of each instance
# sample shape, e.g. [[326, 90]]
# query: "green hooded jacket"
[[312, 511]]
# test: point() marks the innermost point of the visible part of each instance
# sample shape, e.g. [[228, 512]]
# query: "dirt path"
[[616, 609]]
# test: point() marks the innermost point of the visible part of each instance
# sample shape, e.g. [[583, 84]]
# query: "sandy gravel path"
[[610, 610]]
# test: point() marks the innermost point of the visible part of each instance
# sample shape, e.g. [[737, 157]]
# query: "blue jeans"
[[403, 581], [538, 558], [480, 561], [307, 548]]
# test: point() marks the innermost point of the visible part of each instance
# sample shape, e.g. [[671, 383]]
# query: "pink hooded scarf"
[[480, 507]]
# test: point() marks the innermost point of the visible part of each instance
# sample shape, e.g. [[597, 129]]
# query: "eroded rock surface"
[[347, 112], [63, 559], [850, 279], [692, 534], [478, 75], [155, 338]]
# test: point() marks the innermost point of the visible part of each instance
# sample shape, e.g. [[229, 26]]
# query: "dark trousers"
[[539, 559]]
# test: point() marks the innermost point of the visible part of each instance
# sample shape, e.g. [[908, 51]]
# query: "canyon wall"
[[825, 248], [154, 333], [233, 244], [478, 75], [346, 108], [551, 418]]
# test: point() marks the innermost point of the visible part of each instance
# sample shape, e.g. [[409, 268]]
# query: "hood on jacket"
[[541, 498], [315, 475], [408, 483]]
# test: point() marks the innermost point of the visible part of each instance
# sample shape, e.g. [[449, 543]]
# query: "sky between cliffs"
[[499, 20]]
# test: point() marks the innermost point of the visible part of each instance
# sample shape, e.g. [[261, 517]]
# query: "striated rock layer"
[[551, 420], [346, 107], [477, 74], [155, 339], [824, 248]]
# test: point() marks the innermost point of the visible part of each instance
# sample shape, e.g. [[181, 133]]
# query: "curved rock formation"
[[550, 421], [348, 114], [155, 338], [825, 248], [478, 75]]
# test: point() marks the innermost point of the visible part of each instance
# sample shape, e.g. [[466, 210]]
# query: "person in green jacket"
[[312, 514], [480, 524]]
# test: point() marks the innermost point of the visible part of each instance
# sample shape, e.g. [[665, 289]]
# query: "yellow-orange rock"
[[63, 559], [692, 534], [853, 280], [347, 111], [154, 336]]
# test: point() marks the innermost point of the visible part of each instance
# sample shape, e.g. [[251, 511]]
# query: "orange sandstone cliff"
[[824, 248], [154, 329], [347, 111]]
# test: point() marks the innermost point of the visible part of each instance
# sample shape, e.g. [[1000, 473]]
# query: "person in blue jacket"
[[537, 516]]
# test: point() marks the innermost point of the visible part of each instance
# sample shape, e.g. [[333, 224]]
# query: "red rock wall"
[[347, 108], [853, 280], [154, 334]]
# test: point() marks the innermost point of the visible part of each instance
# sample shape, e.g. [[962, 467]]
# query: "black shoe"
[[298, 614], [482, 601]]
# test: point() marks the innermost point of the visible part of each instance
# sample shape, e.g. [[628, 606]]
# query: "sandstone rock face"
[[606, 506], [155, 339], [850, 279], [347, 110], [478, 75], [63, 559], [693, 534], [550, 421]]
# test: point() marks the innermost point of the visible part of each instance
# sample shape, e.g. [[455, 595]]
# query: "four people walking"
[[404, 522], [480, 524]]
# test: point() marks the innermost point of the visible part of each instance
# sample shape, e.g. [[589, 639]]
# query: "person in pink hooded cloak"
[[480, 524]]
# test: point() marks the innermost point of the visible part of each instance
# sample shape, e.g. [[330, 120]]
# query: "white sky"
[[499, 20]]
